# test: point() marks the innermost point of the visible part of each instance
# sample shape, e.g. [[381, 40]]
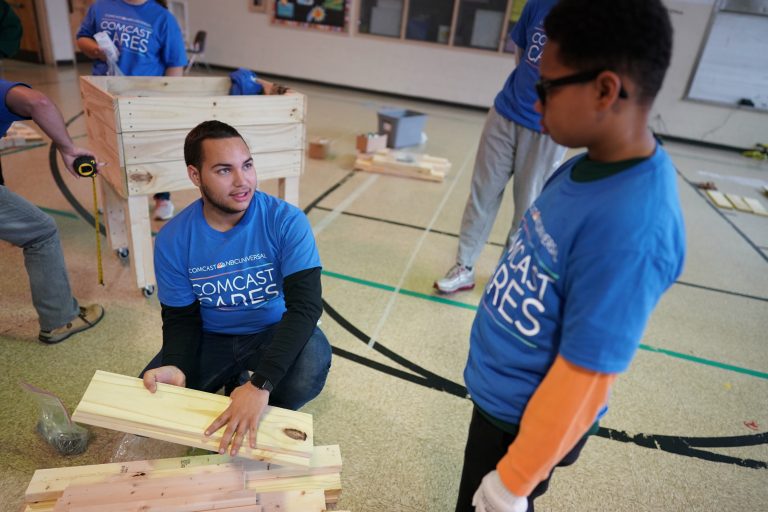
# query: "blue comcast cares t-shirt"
[[516, 100], [237, 276], [147, 36], [6, 116], [586, 268]]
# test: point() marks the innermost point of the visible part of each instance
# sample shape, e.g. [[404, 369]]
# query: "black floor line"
[[401, 224], [719, 290], [455, 235]]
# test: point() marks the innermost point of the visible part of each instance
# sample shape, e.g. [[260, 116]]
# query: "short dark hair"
[[631, 37], [193, 144]]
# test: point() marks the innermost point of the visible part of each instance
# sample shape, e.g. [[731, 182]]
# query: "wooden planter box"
[[138, 125]]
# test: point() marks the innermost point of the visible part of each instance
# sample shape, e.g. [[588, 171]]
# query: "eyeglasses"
[[543, 86]]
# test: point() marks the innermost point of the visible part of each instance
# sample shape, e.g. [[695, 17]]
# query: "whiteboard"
[[734, 63]]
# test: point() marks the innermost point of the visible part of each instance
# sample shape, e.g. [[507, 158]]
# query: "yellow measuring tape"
[[85, 166]]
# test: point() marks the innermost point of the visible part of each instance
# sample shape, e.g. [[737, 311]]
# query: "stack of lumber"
[[20, 134], [401, 163], [284, 473], [740, 203], [189, 484]]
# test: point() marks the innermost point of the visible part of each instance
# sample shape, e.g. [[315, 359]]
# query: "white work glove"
[[493, 496]]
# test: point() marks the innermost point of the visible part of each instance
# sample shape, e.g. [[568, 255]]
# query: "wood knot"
[[295, 434]]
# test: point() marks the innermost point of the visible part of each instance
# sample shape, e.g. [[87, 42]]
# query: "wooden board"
[[756, 206], [174, 113], [48, 484], [738, 203], [181, 415], [401, 163], [719, 199], [168, 145], [150, 178]]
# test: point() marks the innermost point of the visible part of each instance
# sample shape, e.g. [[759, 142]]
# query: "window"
[[429, 20], [381, 17], [734, 57], [481, 24]]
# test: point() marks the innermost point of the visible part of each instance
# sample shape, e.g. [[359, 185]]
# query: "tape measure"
[[85, 166]]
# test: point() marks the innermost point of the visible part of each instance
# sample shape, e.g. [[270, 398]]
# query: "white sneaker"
[[458, 278], [164, 209]]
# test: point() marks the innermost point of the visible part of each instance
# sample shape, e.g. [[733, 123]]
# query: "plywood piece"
[[174, 112], [719, 199], [150, 178], [167, 145], [756, 206], [181, 415]]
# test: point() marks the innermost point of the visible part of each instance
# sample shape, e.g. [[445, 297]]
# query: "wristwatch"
[[261, 382]]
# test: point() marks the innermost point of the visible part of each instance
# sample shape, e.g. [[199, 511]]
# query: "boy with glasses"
[[564, 312]]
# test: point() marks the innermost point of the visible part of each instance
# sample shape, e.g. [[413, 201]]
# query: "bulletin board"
[[328, 15]]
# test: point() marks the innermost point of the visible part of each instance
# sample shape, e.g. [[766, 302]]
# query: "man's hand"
[[242, 415], [493, 496], [69, 155], [166, 375]]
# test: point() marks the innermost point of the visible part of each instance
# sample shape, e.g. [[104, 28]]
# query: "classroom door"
[[30, 48]]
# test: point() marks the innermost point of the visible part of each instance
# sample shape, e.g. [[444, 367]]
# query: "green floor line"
[[410, 293], [708, 362], [442, 300]]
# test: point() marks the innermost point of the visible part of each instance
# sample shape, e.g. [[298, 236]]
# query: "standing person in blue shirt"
[[565, 310], [512, 146], [26, 226], [150, 43], [238, 278]]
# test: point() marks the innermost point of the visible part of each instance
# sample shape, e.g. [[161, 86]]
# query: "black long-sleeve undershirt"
[[183, 327]]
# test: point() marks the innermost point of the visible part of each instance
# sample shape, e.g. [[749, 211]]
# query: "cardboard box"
[[319, 148], [371, 142]]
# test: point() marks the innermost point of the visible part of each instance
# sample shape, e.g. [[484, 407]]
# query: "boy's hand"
[[166, 375], [493, 496], [242, 415]]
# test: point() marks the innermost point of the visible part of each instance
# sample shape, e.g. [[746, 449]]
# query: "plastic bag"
[[110, 50], [55, 424]]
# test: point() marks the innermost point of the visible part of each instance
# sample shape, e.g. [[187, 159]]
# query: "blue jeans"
[[26, 226], [224, 357]]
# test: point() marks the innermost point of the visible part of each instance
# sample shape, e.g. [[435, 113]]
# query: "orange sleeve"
[[558, 414]]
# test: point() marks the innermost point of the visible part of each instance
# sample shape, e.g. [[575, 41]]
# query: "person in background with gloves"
[[565, 310]]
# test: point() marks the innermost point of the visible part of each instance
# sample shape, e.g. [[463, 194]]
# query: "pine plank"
[[167, 86], [756, 206], [191, 502], [149, 178], [719, 199], [181, 415], [213, 479], [293, 501], [151, 146], [738, 203], [47, 484], [174, 112]]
